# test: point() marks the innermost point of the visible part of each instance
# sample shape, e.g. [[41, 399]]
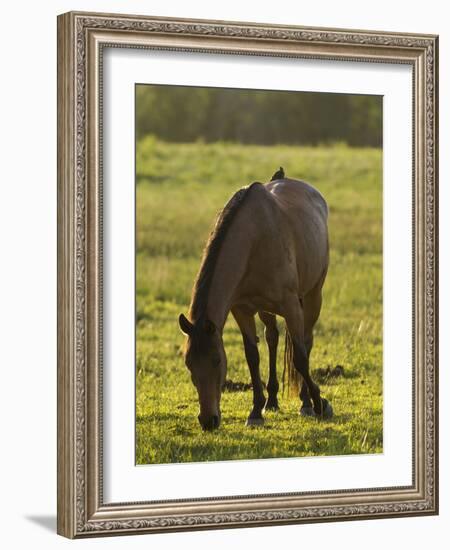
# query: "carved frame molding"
[[81, 39]]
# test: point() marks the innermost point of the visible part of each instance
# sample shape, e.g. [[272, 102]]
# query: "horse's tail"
[[291, 377]]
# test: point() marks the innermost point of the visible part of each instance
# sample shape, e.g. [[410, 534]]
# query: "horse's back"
[[298, 195]]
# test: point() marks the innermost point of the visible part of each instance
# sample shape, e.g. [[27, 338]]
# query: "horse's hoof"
[[307, 411], [327, 411], [271, 406], [254, 422]]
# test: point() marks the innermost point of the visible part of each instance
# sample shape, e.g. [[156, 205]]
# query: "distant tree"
[[184, 114]]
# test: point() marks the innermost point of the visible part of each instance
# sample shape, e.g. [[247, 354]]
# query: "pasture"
[[180, 189]]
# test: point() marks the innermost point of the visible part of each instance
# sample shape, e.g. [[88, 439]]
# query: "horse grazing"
[[267, 255]]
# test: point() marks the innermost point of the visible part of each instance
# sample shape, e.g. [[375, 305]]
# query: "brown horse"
[[267, 254]]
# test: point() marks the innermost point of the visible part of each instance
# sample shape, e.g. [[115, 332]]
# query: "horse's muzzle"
[[210, 423]]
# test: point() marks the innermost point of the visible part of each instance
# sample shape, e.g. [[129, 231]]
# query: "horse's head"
[[205, 358]]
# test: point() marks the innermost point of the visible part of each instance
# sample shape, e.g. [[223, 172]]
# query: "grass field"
[[180, 189]]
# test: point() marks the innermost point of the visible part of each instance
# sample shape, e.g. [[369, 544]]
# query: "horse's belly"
[[251, 305], [263, 293]]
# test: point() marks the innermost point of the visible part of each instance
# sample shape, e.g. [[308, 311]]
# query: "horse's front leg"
[[255, 417], [272, 335], [247, 326]]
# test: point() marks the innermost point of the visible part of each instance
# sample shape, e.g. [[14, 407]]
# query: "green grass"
[[180, 189]]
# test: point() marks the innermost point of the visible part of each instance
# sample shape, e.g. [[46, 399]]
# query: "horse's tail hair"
[[291, 377]]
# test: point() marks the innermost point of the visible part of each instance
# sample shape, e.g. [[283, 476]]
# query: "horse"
[[267, 254]]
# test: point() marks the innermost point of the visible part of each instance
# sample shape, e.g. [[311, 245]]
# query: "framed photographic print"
[[247, 274]]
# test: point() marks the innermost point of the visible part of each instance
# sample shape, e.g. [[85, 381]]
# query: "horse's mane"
[[211, 251]]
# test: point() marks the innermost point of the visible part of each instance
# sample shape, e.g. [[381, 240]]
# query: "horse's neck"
[[229, 270]]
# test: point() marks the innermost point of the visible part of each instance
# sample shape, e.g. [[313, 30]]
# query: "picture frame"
[[82, 39]]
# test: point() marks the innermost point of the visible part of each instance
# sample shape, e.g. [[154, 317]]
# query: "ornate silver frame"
[[81, 37]]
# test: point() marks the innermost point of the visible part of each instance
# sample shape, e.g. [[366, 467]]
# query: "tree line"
[[184, 114]]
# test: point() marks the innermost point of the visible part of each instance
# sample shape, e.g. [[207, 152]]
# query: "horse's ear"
[[209, 326], [185, 325]]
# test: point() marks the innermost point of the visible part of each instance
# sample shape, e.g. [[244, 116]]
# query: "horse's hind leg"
[[271, 334], [312, 304], [307, 407], [295, 321], [247, 326]]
